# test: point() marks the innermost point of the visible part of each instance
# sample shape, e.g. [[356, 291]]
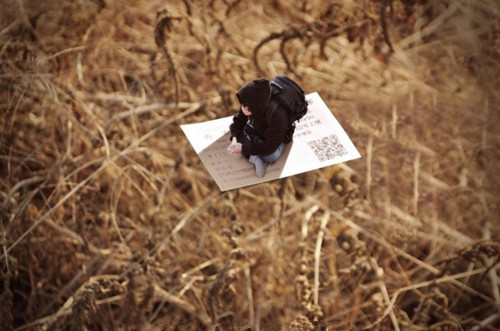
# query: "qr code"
[[327, 148]]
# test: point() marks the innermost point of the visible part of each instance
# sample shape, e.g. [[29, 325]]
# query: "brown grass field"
[[109, 220]]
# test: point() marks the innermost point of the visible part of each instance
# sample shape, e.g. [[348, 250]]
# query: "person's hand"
[[234, 147]]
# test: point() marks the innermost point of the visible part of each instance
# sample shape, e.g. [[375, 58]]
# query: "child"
[[251, 135]]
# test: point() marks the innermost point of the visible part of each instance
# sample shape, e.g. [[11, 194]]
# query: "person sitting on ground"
[[251, 135]]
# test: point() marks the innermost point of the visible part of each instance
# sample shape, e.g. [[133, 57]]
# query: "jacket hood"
[[255, 94]]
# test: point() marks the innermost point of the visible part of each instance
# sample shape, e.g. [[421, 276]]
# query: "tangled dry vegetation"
[[109, 221]]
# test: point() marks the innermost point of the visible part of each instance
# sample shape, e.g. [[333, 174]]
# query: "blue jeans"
[[272, 157]]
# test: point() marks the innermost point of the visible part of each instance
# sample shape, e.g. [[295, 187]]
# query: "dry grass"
[[110, 221]]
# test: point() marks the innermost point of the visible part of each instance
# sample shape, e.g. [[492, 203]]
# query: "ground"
[[109, 221]]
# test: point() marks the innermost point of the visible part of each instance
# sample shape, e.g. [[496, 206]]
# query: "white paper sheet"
[[319, 141]]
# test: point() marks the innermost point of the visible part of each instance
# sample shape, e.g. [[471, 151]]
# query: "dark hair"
[[255, 94]]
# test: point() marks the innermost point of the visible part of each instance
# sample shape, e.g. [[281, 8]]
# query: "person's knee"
[[270, 158]]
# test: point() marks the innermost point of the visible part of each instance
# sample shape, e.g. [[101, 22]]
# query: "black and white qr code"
[[327, 148]]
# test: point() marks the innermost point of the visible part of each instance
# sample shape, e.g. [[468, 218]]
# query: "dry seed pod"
[[317, 311], [84, 305], [378, 300], [237, 228], [300, 323], [348, 240], [238, 253]]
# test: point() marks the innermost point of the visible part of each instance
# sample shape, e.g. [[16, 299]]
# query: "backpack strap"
[[273, 104]]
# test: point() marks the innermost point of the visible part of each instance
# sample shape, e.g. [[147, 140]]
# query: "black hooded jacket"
[[253, 132]]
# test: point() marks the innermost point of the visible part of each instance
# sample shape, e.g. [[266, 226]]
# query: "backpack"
[[289, 95]]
